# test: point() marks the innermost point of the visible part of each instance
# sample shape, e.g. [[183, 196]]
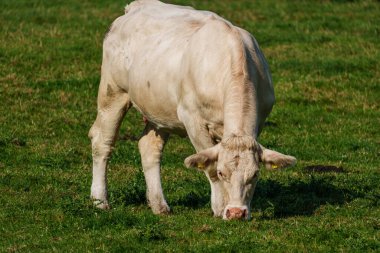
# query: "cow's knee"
[[94, 133], [102, 139], [150, 147], [100, 153]]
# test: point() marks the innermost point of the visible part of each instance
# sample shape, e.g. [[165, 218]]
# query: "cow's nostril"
[[245, 213], [228, 214]]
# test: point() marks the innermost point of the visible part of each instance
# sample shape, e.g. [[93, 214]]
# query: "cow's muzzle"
[[236, 213]]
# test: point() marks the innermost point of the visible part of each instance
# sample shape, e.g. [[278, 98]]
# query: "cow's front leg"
[[151, 146], [206, 160], [218, 194], [111, 110], [201, 140]]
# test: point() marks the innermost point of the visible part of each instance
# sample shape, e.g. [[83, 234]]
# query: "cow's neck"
[[240, 110]]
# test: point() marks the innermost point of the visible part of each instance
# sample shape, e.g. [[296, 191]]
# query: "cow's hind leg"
[[112, 106], [151, 146]]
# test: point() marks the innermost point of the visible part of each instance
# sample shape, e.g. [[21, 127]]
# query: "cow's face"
[[237, 169]]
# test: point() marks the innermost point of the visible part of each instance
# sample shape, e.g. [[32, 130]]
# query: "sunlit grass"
[[324, 57]]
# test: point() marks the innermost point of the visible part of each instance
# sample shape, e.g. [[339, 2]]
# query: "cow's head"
[[237, 168]]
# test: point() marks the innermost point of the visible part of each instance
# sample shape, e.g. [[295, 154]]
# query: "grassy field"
[[324, 57]]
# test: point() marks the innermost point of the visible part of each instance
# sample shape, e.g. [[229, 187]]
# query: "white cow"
[[187, 72]]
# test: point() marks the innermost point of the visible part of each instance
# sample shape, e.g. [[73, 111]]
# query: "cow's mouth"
[[236, 213]]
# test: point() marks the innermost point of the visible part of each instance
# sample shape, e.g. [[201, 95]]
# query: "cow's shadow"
[[275, 200], [272, 199]]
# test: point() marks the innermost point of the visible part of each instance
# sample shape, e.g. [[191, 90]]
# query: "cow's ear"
[[275, 160], [203, 159]]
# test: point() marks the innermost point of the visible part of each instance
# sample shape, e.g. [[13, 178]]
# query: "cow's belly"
[[157, 108]]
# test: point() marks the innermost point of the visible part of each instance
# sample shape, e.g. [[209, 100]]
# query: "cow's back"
[[160, 53]]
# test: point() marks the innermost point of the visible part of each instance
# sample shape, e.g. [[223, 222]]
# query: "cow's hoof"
[[162, 209], [101, 204]]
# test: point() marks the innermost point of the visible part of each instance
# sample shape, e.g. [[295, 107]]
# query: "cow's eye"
[[223, 176]]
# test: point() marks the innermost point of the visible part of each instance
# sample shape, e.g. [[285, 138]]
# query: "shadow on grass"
[[135, 194], [273, 199], [297, 197], [193, 199]]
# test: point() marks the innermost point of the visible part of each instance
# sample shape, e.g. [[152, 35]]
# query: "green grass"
[[324, 57]]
